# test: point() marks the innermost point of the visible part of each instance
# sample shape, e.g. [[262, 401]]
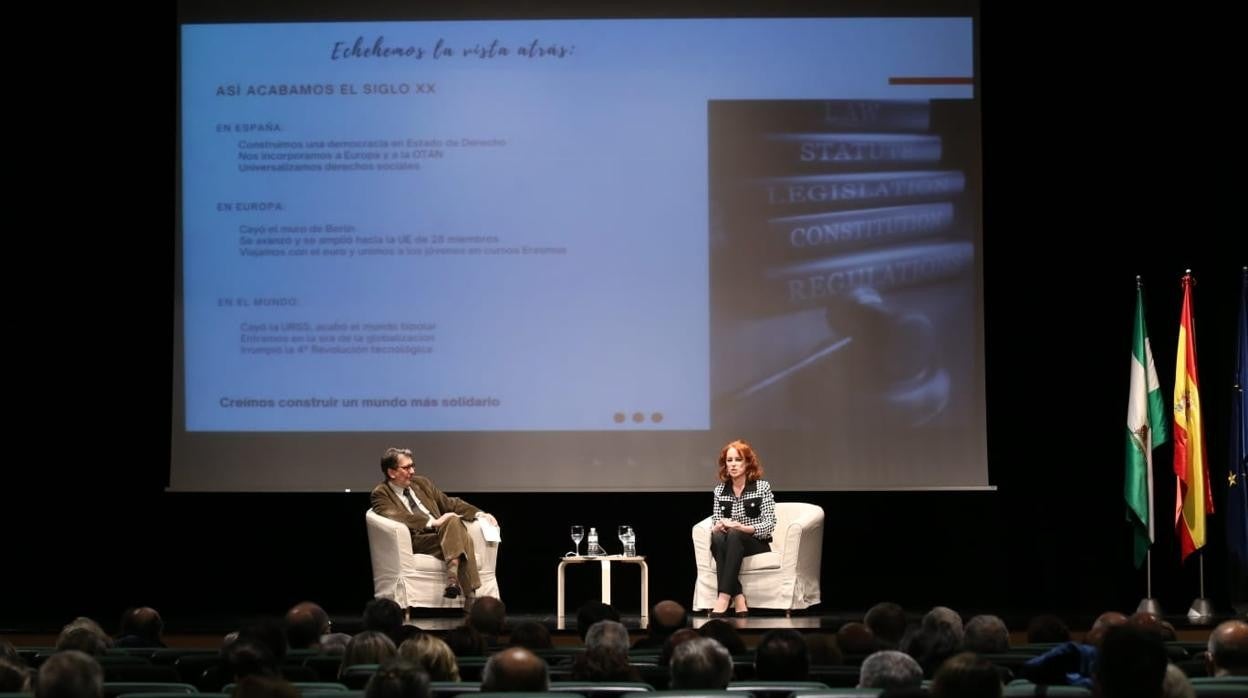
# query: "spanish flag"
[[1193, 498]]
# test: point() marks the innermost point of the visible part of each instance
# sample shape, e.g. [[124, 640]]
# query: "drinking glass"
[[622, 534], [578, 534]]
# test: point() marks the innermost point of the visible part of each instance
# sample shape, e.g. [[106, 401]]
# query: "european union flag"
[[1237, 477]]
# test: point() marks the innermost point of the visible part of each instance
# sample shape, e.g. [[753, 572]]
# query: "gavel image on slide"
[[894, 350]]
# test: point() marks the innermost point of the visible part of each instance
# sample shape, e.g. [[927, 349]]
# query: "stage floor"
[[634, 622]]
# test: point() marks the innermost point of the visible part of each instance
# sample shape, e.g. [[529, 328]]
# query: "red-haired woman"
[[744, 517]]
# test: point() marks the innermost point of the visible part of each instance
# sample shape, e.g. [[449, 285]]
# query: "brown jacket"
[[424, 540]]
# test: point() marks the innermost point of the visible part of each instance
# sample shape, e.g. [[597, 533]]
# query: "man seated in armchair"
[[435, 520]]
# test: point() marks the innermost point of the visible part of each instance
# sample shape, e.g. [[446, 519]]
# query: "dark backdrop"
[[1105, 143]]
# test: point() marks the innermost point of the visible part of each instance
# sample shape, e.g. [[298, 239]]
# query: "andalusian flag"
[[1193, 498], [1146, 430]]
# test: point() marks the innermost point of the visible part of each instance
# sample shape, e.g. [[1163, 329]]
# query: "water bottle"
[[592, 548], [630, 548]]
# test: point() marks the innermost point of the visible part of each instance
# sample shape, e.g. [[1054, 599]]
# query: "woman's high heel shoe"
[[741, 614]]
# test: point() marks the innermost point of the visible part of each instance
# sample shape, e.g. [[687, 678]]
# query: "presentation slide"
[[579, 254]]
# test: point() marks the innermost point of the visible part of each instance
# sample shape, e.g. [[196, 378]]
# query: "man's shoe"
[[451, 591]]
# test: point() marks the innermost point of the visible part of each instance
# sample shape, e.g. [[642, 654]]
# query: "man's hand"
[[437, 523]]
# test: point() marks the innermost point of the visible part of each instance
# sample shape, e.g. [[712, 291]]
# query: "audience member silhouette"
[[385, 616], [515, 669], [887, 622], [434, 655], [466, 642], [592, 612], [606, 655], [823, 649], [943, 615], [1176, 684], [368, 647], [14, 677], [936, 640], [1152, 624], [399, 678], [700, 664], [967, 675], [1071, 662], [532, 635], [334, 644], [70, 674], [1228, 649], [725, 633], [677, 638], [306, 624], [84, 635], [856, 638], [270, 633], [488, 616], [665, 618], [84, 640], [242, 658], [1131, 663], [140, 627], [986, 634], [890, 669], [84, 622], [782, 655]]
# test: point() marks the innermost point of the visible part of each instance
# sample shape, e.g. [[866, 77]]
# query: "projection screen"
[[579, 255]]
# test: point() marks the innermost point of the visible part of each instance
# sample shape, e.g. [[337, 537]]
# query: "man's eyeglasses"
[[409, 466]]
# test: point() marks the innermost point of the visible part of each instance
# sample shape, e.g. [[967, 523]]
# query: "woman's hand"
[[731, 525]]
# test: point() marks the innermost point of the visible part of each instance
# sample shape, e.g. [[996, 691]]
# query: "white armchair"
[[787, 577], [418, 580]]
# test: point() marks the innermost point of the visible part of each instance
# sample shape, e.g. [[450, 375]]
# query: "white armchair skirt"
[[417, 581], [785, 578]]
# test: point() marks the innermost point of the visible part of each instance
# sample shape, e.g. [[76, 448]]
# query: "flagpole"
[[1201, 609], [1149, 604]]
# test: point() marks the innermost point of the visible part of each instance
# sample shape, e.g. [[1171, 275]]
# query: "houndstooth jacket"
[[755, 507]]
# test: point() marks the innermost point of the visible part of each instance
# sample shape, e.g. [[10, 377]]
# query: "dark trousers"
[[730, 548]]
